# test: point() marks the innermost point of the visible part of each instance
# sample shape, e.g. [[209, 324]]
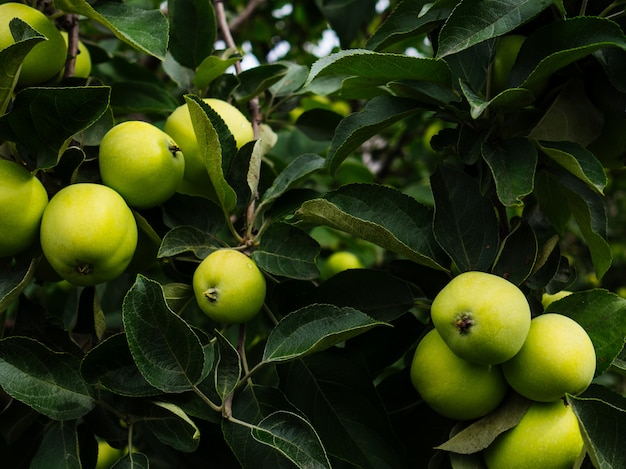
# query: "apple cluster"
[[485, 344]]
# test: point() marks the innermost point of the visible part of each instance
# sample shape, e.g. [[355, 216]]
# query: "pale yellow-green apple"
[[108, 455], [547, 437], [453, 387], [23, 199], [88, 234], [141, 162], [338, 262], [557, 357], [46, 58], [548, 298], [229, 287], [482, 317], [178, 125], [82, 64]]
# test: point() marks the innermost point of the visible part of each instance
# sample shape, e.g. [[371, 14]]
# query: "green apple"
[[453, 387], [88, 234], [178, 125], [547, 437], [549, 298], [482, 317], [82, 64], [47, 57], [141, 162], [108, 455], [558, 357], [229, 287], [338, 262], [22, 202]]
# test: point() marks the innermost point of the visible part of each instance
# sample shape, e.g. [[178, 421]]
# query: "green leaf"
[[261, 147], [14, 279], [186, 239], [205, 120], [132, 460], [227, 367], [45, 380], [173, 427], [59, 448], [513, 163], [111, 366], [347, 17], [408, 19], [474, 21], [12, 56], [211, 68], [381, 215], [255, 81], [44, 119], [550, 195], [577, 160], [378, 114], [465, 223], [140, 97], [313, 328], [287, 251], [293, 79], [145, 30], [512, 98], [602, 416], [518, 254], [297, 170], [561, 43], [166, 350], [195, 211], [594, 310], [189, 21], [294, 437], [336, 393]]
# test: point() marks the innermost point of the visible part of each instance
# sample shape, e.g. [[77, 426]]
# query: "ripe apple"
[[558, 357], [22, 202], [88, 234], [47, 57], [141, 162], [453, 387], [229, 287], [82, 64], [482, 317], [338, 262], [547, 437], [178, 125]]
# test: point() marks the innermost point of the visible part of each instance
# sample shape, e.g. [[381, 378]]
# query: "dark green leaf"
[[381, 215], [141, 97], [132, 460], [194, 211], [318, 124], [257, 80], [347, 17], [292, 80], [59, 448], [294, 437], [173, 427], [44, 119], [594, 310], [474, 21], [512, 98], [314, 328], [512, 163], [193, 28], [110, 365], [166, 350], [517, 256], [186, 239], [287, 251], [211, 68], [14, 279], [465, 222], [47, 381], [551, 195], [146, 30], [227, 368]]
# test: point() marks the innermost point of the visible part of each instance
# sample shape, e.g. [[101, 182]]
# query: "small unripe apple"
[[453, 387], [46, 58], [482, 317], [141, 162], [547, 437], [338, 262], [88, 234], [557, 357], [229, 287], [22, 202], [178, 125], [549, 298]]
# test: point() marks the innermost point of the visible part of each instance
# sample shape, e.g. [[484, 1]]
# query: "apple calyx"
[[174, 149], [211, 294], [84, 269], [464, 323]]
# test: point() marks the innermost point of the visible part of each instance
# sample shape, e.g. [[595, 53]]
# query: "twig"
[[71, 26], [236, 23]]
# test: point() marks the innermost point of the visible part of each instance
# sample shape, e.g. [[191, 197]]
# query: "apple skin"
[[23, 200], [178, 125], [44, 60], [338, 262], [453, 387], [88, 234], [547, 437], [141, 162], [82, 64], [482, 317], [548, 298], [558, 357], [229, 287], [107, 455]]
